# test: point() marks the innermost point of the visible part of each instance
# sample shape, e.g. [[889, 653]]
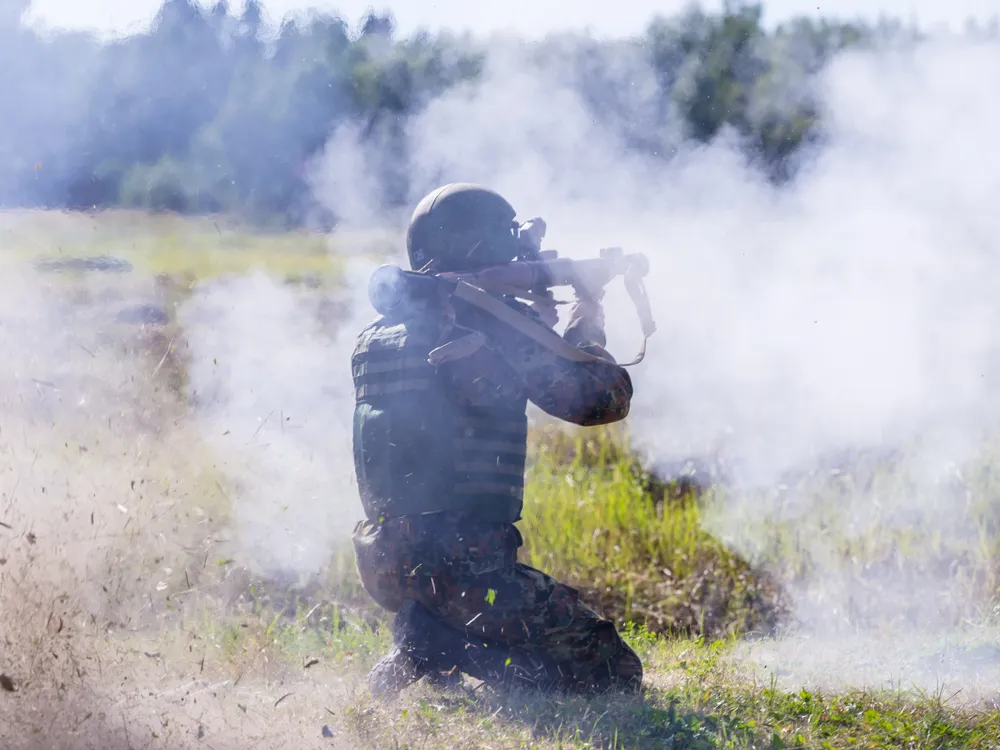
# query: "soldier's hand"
[[547, 312], [586, 323]]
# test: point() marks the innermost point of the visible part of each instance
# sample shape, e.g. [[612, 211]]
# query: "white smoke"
[[850, 308], [271, 377]]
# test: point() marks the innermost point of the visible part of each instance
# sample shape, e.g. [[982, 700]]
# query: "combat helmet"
[[461, 226]]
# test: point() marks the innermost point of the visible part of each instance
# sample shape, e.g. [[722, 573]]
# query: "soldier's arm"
[[584, 393]]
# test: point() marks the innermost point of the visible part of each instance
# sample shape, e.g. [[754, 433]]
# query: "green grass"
[[591, 518], [697, 696]]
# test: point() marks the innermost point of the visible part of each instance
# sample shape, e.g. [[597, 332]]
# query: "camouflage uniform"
[[461, 566]]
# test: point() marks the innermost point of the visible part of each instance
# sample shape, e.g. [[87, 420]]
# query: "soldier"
[[440, 456]]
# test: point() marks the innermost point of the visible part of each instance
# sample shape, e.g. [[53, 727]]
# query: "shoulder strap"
[[540, 333]]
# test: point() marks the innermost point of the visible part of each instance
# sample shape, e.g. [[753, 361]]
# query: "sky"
[[527, 17]]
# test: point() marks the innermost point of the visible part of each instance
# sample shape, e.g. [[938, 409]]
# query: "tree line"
[[209, 111]]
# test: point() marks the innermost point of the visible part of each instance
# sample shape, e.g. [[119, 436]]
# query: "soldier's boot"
[[406, 661], [447, 681], [422, 648], [425, 647], [503, 667], [451, 651]]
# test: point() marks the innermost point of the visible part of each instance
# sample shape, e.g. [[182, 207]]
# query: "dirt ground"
[[114, 517]]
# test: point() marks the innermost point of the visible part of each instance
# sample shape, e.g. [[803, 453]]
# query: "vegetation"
[[697, 696], [638, 549], [640, 546], [211, 112]]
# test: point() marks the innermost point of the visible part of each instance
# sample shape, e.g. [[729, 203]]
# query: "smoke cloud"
[[849, 310], [800, 325]]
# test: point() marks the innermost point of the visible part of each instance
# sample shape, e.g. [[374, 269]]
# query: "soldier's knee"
[[626, 670], [623, 667], [620, 672]]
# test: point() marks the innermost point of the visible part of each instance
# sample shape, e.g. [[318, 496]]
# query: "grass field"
[[136, 612]]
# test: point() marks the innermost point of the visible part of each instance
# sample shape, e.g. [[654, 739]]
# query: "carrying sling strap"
[[537, 332]]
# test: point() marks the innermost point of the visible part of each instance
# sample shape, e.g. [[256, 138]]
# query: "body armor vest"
[[417, 449]]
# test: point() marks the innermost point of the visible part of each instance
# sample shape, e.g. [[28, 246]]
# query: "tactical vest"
[[416, 449]]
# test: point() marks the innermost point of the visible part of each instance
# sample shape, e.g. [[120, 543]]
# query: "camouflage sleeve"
[[584, 393]]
